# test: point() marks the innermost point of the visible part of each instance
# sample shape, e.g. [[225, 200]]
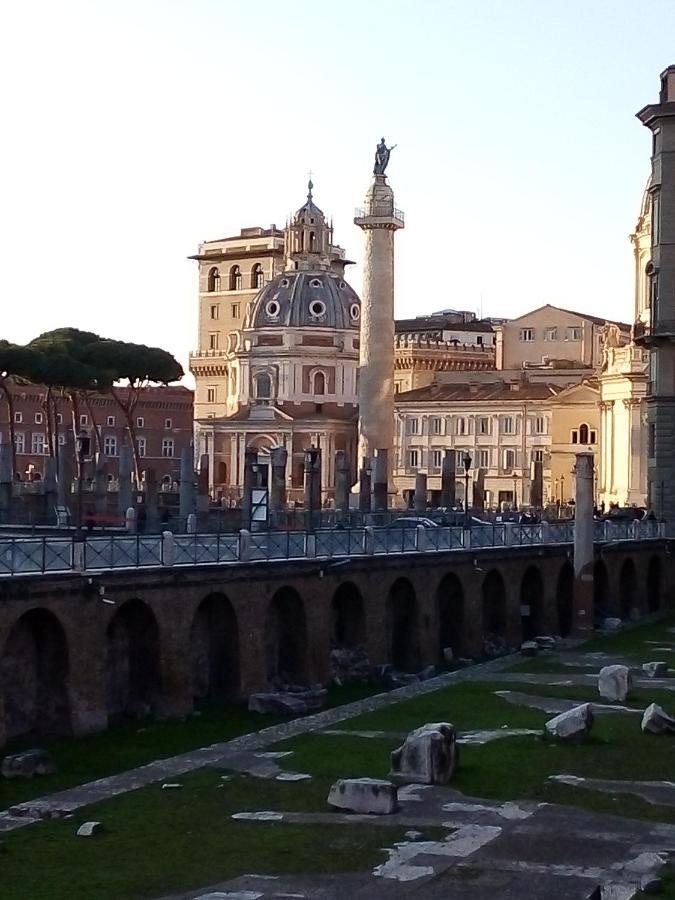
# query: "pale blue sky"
[[133, 130]]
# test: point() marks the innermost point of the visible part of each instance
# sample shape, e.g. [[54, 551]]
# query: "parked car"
[[412, 522]]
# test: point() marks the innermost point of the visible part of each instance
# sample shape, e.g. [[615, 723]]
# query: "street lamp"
[[311, 457], [562, 490], [83, 445], [515, 492], [466, 459]]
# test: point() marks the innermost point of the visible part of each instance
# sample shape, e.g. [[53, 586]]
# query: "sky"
[[134, 130]]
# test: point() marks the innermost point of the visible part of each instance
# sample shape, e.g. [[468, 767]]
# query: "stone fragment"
[[545, 642], [529, 648], [429, 755], [28, 764], [656, 669], [171, 786], [426, 674], [280, 703], [657, 721], [448, 655], [89, 829], [364, 795], [614, 683], [612, 625], [575, 723]]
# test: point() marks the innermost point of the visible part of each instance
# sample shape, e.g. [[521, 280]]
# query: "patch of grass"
[[548, 665], [135, 743], [631, 641], [158, 842]]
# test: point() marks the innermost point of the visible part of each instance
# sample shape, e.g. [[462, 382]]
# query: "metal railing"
[[59, 555]]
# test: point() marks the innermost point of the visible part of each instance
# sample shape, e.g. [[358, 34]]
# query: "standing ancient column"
[[583, 545], [380, 221]]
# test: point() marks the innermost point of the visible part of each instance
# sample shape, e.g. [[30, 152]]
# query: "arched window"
[[257, 277], [214, 279], [319, 383], [235, 278], [263, 387], [583, 434], [312, 241]]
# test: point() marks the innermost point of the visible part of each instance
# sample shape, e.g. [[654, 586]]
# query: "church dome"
[[303, 299]]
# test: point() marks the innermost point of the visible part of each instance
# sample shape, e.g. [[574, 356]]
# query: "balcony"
[[663, 329]]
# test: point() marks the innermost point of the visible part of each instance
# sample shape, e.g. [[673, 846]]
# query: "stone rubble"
[[529, 648], [364, 795], [614, 683], [88, 829], [27, 764], [657, 721], [573, 724], [297, 702], [429, 755], [611, 625], [656, 669]]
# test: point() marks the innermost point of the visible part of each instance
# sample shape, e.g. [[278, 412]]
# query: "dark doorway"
[[654, 584], [531, 603], [132, 661], [450, 610], [628, 588], [286, 639], [565, 599], [348, 617], [494, 606], [214, 644], [402, 626]]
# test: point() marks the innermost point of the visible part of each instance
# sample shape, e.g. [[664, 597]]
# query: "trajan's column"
[[380, 221]]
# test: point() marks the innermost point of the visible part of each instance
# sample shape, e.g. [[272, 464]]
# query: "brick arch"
[[403, 626], [532, 599], [493, 595], [628, 588], [348, 619], [286, 638], [600, 591], [34, 674], [132, 661], [214, 650], [654, 584], [450, 615], [564, 597]]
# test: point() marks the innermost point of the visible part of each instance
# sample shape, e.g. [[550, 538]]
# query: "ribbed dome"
[[301, 299]]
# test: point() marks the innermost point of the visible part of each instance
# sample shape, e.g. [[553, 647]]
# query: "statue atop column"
[[382, 154]]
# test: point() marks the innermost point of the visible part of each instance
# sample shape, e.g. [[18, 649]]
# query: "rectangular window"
[[575, 436], [110, 445], [413, 458], [413, 426], [167, 447], [62, 440], [551, 333], [437, 458], [594, 438], [140, 422], [484, 425], [540, 425], [38, 418], [18, 418], [37, 443], [436, 426], [141, 445], [483, 459], [168, 423], [527, 335], [538, 456], [213, 340], [509, 460], [214, 310], [460, 426], [235, 310], [574, 333], [211, 395], [110, 421], [59, 419], [479, 339], [84, 420], [656, 215], [507, 425], [20, 442], [459, 460]]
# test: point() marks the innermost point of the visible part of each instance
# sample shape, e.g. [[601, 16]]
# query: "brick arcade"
[[79, 652]]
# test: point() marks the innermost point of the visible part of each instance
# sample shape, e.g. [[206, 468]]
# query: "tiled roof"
[[478, 393]]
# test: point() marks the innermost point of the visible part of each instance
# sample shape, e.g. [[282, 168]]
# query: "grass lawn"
[[135, 743], [157, 842]]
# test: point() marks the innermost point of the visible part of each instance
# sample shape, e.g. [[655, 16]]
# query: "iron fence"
[[45, 555]]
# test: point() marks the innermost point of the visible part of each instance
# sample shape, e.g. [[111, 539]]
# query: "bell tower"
[[309, 238], [658, 333]]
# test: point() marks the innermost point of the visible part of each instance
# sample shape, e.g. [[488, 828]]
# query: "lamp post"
[[515, 492], [466, 459], [83, 445], [311, 457], [562, 490]]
